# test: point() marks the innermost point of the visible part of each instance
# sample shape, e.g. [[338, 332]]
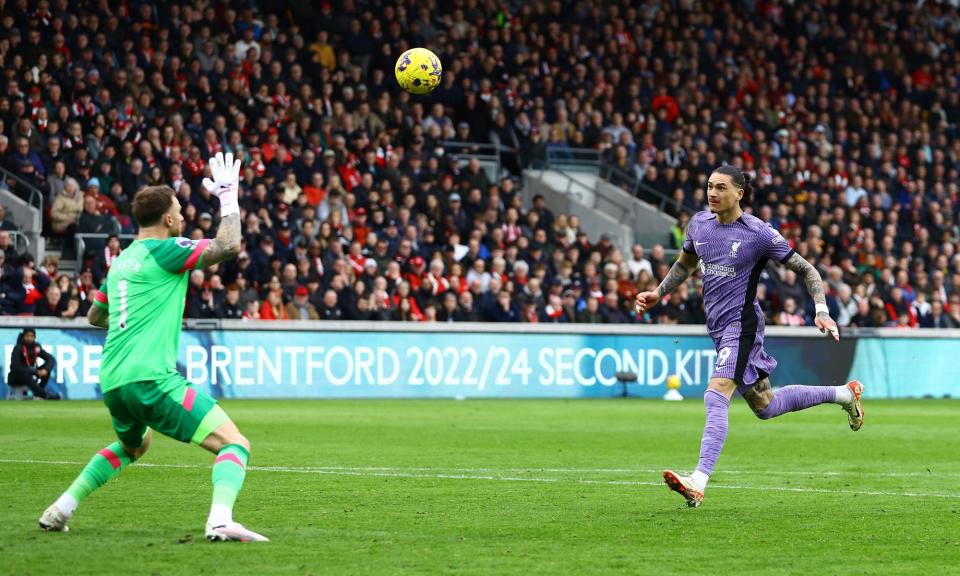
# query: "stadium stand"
[[363, 202]]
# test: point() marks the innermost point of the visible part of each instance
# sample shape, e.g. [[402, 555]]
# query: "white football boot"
[[53, 520], [233, 532]]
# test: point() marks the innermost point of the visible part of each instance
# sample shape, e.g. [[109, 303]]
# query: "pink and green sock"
[[104, 465], [229, 470]]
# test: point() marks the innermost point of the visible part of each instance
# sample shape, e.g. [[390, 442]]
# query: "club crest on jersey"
[[734, 247]]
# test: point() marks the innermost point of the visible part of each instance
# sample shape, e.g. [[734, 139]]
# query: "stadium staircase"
[[575, 181], [24, 204]]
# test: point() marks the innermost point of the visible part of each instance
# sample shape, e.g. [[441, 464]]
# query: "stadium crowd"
[[845, 110]]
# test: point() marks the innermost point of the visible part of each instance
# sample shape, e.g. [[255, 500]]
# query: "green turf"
[[500, 487]]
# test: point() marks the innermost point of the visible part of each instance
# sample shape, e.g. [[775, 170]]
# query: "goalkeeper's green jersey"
[[145, 293]]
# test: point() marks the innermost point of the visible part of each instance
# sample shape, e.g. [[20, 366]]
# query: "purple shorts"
[[741, 357]]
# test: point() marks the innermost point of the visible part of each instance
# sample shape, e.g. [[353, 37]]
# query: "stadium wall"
[[233, 359]]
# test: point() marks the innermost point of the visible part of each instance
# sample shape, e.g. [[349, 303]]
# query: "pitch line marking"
[[631, 471], [474, 471], [387, 474]]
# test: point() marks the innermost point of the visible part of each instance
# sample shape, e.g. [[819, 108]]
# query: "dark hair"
[[741, 179], [151, 203]]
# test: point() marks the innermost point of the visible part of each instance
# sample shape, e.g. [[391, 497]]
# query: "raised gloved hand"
[[225, 183]]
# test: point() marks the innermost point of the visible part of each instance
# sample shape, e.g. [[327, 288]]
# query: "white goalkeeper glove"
[[225, 184]]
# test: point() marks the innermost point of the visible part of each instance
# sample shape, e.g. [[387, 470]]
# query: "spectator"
[[937, 318], [300, 307], [467, 310], [92, 221], [4, 223], [591, 313], [789, 315], [611, 310], [7, 246], [848, 305], [232, 307], [27, 164], [553, 312], [449, 308], [789, 288], [103, 260], [67, 208], [503, 309], [26, 369], [196, 308], [272, 307], [208, 302], [668, 316], [26, 286], [52, 304], [898, 309], [330, 308], [955, 309], [637, 263], [680, 310], [49, 267], [405, 301], [528, 310], [569, 306]]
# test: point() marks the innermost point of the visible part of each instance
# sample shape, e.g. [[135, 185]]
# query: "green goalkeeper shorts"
[[173, 407]]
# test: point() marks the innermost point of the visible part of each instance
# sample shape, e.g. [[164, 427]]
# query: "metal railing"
[[21, 241], [579, 159], [24, 190], [638, 189], [591, 159], [81, 240], [484, 152], [625, 212], [30, 223], [572, 160]]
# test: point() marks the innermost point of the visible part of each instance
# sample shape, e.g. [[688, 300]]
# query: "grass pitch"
[[499, 487]]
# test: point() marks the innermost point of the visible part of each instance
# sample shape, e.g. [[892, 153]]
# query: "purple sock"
[[793, 398], [714, 431]]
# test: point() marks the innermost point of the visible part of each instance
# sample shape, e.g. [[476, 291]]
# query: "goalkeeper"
[[141, 304]]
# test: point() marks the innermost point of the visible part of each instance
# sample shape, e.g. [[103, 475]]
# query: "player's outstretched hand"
[[826, 324], [645, 301], [225, 183], [225, 172]]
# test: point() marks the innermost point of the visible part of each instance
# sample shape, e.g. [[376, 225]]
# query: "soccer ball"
[[418, 71]]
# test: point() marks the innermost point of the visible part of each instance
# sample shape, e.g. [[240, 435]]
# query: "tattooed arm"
[[227, 243], [811, 278], [678, 274], [685, 265]]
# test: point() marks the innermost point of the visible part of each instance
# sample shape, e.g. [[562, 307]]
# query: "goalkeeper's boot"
[[233, 532], [53, 520]]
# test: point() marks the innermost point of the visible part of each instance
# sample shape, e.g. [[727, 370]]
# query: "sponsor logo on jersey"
[[709, 269]]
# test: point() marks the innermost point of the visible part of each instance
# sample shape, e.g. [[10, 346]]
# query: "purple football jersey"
[[731, 259]]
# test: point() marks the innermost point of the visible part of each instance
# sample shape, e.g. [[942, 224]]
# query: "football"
[[418, 71]]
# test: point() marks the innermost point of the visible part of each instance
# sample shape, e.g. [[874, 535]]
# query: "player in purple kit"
[[731, 249]]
